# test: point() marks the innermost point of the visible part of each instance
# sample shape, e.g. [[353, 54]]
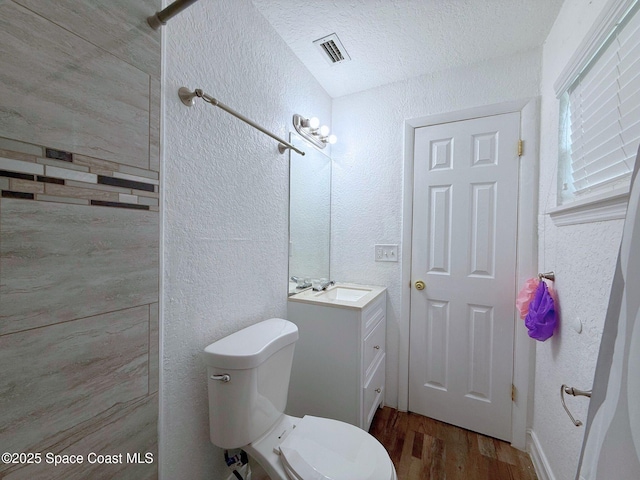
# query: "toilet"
[[248, 381]]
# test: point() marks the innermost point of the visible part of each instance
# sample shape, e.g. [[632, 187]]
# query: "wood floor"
[[424, 449]]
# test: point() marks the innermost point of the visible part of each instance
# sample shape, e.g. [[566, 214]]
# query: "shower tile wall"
[[79, 235]]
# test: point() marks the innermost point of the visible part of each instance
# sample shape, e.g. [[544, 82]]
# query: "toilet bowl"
[[248, 384], [314, 448]]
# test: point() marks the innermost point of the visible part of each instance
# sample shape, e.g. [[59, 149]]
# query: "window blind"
[[604, 106]]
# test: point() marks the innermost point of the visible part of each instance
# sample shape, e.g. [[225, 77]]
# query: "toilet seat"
[[325, 449]]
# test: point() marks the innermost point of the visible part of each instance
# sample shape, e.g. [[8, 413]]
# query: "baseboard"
[[538, 458]]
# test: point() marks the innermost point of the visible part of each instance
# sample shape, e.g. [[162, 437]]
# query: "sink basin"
[[340, 295], [345, 294]]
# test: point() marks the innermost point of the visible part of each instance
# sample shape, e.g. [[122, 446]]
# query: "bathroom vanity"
[[339, 361]]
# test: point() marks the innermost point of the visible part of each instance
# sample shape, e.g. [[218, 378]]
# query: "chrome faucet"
[[324, 285]]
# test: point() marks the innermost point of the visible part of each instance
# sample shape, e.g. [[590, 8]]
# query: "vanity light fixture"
[[310, 130]]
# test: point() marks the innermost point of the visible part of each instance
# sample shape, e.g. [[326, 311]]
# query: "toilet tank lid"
[[251, 346]]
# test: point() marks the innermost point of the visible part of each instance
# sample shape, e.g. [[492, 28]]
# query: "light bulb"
[[324, 130], [332, 139], [314, 122]]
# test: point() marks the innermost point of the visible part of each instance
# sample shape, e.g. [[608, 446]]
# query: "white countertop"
[[343, 295]]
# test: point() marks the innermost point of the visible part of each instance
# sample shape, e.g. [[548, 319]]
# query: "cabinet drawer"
[[373, 347], [373, 394], [373, 314]]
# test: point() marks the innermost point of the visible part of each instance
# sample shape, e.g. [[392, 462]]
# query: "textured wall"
[[226, 204], [583, 258], [368, 167], [79, 235]]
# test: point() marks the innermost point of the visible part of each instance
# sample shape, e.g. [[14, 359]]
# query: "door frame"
[[526, 254]]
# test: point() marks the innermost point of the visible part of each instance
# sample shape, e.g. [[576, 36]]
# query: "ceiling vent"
[[332, 49]]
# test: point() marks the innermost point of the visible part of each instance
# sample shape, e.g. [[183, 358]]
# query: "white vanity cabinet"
[[339, 361]]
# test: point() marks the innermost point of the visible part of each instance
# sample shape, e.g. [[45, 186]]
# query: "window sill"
[[606, 206]]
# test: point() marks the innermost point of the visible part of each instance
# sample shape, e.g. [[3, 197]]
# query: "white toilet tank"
[[258, 361]]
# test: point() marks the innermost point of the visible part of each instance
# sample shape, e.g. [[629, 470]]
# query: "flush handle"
[[222, 378], [420, 285]]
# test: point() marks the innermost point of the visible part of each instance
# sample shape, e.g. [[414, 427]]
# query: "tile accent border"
[[66, 177]]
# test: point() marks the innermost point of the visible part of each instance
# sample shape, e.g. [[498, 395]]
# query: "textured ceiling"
[[391, 40]]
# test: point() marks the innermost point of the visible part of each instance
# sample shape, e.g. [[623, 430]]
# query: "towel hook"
[[549, 276]]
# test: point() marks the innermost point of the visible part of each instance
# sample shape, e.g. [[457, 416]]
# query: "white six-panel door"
[[464, 249]]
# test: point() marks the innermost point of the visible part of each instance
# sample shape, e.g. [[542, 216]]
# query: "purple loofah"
[[541, 320]]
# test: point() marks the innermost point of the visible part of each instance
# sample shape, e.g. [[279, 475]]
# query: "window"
[[600, 115]]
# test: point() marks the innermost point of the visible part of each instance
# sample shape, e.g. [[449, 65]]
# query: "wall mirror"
[[309, 214]]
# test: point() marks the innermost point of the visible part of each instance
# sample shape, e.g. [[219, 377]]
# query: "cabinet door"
[[326, 372], [373, 348], [373, 394]]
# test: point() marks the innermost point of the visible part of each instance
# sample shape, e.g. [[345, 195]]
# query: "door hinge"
[[513, 392], [520, 150]]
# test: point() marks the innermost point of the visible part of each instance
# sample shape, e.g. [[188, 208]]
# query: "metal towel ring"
[[572, 391]]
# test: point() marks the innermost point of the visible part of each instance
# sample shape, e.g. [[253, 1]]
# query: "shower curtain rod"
[[160, 18], [188, 98]]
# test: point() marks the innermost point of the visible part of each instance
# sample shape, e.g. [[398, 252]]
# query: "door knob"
[[420, 285]]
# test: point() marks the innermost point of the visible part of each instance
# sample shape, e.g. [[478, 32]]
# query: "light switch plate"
[[386, 253]]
